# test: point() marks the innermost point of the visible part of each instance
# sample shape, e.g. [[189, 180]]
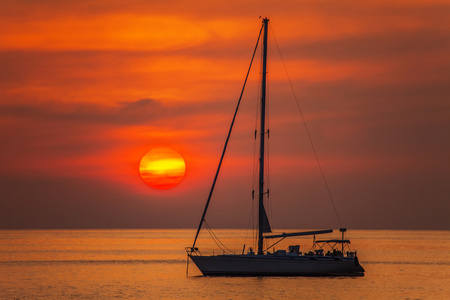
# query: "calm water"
[[151, 264]]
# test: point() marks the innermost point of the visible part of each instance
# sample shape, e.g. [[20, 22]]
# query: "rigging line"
[[255, 164], [250, 221], [255, 167], [307, 131], [226, 142], [215, 238], [267, 158], [212, 236], [254, 145]]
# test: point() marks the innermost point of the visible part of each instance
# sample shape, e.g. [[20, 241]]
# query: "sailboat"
[[290, 262]]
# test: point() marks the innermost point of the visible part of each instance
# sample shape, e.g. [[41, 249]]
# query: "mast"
[[261, 211]]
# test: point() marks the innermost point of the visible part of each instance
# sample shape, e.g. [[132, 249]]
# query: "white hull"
[[267, 265]]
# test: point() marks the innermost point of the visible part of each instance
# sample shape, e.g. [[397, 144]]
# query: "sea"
[[152, 264]]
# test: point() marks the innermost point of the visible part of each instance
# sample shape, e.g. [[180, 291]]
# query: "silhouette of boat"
[[291, 262]]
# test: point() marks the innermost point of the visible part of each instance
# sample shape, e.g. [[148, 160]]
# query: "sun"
[[162, 168]]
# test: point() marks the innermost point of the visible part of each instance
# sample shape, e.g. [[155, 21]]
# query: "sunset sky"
[[88, 87]]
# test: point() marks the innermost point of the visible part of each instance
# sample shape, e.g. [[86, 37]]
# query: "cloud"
[[126, 113], [379, 47]]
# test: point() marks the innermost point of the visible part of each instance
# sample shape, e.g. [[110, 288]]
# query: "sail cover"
[[265, 223], [284, 235]]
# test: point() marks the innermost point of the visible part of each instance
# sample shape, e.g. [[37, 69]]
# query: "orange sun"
[[162, 168]]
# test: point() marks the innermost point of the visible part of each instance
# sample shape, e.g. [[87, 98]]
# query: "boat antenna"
[[226, 142]]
